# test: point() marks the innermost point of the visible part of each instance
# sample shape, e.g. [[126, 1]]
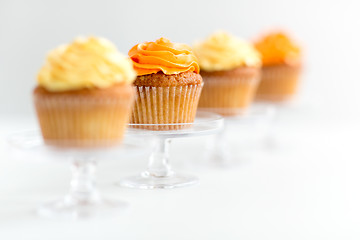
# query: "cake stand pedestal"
[[253, 123], [83, 199], [159, 173]]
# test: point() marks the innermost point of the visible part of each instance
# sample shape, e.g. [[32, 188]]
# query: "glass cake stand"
[[287, 112], [244, 126], [83, 199], [159, 173]]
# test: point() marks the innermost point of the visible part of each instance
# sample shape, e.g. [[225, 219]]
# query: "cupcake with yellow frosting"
[[230, 68], [281, 59], [84, 94], [168, 84]]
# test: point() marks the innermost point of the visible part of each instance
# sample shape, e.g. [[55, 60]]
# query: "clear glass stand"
[[285, 112], [83, 199], [159, 173], [255, 121]]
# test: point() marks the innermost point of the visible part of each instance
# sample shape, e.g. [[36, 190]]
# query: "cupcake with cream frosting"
[[84, 95], [230, 68], [282, 61], [168, 83]]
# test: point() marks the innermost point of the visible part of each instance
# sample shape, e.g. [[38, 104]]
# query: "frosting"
[[85, 63], [278, 48], [163, 55], [222, 51]]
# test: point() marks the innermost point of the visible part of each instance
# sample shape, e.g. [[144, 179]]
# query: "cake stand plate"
[[159, 173]]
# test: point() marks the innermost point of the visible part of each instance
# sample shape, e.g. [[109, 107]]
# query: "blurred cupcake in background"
[[168, 84], [281, 58], [230, 68], [84, 94]]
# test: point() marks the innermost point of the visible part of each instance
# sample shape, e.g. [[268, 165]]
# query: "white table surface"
[[305, 187]]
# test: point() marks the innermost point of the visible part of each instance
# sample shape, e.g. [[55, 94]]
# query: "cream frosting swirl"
[[163, 56], [278, 48], [85, 63], [222, 51]]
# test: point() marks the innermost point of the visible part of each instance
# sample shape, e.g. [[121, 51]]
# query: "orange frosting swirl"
[[163, 55], [277, 48]]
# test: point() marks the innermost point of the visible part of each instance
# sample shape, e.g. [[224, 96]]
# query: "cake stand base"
[[83, 198], [147, 181], [70, 208], [159, 173], [252, 126]]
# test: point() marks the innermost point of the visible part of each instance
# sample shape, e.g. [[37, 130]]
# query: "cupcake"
[[84, 94], [168, 84], [281, 59], [230, 68]]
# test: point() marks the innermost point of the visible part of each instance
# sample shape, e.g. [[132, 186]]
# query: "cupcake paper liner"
[[165, 105], [82, 121], [228, 95], [278, 83]]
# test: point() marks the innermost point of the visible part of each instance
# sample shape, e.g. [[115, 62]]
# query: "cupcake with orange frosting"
[[168, 83], [230, 68], [281, 58], [84, 94]]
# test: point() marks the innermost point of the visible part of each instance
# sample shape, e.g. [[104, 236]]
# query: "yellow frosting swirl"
[[85, 63], [222, 51]]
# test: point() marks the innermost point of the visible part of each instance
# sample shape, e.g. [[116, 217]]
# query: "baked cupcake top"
[[222, 51], [84, 64], [277, 48], [163, 56]]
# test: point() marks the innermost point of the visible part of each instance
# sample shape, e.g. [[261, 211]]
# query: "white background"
[[328, 31], [305, 188]]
